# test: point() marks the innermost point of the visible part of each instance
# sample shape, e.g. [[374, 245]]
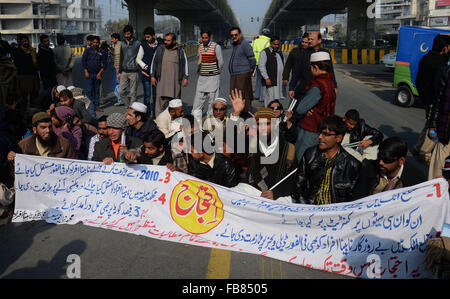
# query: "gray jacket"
[[242, 59], [128, 54], [183, 70], [64, 58]]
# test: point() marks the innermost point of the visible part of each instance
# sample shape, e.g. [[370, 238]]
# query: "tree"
[[338, 32], [111, 27]]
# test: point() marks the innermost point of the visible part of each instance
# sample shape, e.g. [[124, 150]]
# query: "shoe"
[[119, 104]]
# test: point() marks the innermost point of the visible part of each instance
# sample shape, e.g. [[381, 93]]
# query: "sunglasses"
[[234, 35], [326, 134], [276, 108], [219, 109], [387, 160]]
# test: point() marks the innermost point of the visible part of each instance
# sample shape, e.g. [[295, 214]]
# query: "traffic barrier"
[[191, 50], [77, 51], [352, 56]]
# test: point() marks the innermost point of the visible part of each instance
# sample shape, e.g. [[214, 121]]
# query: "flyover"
[[214, 15], [285, 17]]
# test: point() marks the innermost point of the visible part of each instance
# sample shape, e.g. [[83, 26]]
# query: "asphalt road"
[[40, 250]]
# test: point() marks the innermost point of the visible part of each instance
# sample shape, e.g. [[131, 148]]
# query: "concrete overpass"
[[285, 17], [214, 15]]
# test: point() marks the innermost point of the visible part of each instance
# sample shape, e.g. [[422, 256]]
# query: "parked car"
[[389, 60]]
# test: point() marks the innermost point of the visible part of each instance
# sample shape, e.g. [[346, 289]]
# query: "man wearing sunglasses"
[[327, 174], [241, 67], [390, 170], [218, 118]]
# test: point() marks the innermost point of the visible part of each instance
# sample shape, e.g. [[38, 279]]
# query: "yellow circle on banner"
[[196, 206]]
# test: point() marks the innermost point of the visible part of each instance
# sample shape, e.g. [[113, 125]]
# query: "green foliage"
[[111, 27]]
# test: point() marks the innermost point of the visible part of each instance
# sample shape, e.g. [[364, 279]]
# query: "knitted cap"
[[117, 120], [264, 112], [40, 116]]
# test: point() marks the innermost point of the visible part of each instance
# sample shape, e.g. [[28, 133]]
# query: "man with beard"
[[390, 171], [128, 67], [210, 65], [25, 59], [46, 63], [292, 58], [144, 59], [241, 67], [327, 174], [169, 71], [274, 160], [102, 133], [44, 142], [94, 62]]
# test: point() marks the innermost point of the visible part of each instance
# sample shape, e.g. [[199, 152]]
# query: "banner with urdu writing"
[[381, 236]]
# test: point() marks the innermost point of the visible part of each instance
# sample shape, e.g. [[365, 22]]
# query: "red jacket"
[[324, 107]]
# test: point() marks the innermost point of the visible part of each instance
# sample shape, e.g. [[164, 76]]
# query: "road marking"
[[219, 264]]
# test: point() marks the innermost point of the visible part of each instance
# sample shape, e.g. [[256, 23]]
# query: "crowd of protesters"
[[304, 153]]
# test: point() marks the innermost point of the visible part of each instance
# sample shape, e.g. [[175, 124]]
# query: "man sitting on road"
[[390, 171], [139, 123], [102, 133], [44, 142], [361, 141], [169, 121], [327, 174], [111, 149], [66, 98]]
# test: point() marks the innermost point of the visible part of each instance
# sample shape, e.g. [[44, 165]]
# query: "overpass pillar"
[[141, 15], [187, 30], [360, 28]]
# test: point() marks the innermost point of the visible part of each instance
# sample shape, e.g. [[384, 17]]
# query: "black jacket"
[[362, 130], [429, 74], [103, 149], [144, 159], [344, 176], [370, 177], [223, 173]]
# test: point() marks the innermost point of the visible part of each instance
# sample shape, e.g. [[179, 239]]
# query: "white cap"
[[175, 103], [221, 100], [139, 107], [320, 56], [71, 87], [60, 88]]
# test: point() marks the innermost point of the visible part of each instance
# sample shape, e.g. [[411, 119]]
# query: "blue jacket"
[[93, 60], [242, 59]]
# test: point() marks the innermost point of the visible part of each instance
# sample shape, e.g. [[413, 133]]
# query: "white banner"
[[381, 236]]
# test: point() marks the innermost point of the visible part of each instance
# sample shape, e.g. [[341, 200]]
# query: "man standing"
[[271, 65], [25, 59], [65, 61], [428, 83], [327, 174], [116, 44], [302, 75], [169, 71], [210, 65], [241, 67], [144, 59], [94, 62], [259, 44], [46, 63], [128, 67], [292, 58]]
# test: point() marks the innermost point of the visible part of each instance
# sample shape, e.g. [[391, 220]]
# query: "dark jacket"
[[223, 173], [24, 62], [439, 115], [128, 53], [290, 62], [242, 58], [344, 176], [361, 130], [265, 176], [103, 149], [61, 148], [370, 177], [46, 65], [93, 61], [80, 110], [183, 64], [302, 75], [429, 74], [147, 127], [144, 159]]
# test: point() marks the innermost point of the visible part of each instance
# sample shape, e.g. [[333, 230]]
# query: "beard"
[[170, 46], [47, 143]]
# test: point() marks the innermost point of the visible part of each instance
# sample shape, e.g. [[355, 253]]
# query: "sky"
[[243, 9]]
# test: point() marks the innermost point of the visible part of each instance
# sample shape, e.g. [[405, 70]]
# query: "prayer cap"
[[320, 56], [175, 103], [60, 88], [139, 107]]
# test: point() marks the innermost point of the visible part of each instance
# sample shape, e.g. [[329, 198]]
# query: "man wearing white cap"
[[219, 117], [210, 65], [139, 123], [318, 102], [170, 120]]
